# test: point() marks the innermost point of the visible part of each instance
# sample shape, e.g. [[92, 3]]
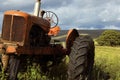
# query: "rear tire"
[[81, 59]]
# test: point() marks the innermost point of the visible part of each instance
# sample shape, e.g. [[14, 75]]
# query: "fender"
[[71, 36]]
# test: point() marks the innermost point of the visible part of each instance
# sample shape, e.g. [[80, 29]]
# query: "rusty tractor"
[[28, 37]]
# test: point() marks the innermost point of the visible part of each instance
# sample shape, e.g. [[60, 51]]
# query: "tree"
[[109, 38]]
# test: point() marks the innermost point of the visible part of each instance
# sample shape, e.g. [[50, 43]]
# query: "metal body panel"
[[17, 25], [17, 28], [48, 50]]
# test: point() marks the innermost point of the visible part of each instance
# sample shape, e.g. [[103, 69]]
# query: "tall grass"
[[107, 66], [107, 59]]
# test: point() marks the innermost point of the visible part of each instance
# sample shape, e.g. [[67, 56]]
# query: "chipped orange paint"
[[5, 59], [1, 46]]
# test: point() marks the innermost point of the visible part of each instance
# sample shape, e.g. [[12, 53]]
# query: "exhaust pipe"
[[37, 8]]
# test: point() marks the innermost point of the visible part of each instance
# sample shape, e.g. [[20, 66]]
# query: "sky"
[[79, 14]]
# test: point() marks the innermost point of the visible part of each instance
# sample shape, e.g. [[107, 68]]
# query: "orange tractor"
[[28, 37]]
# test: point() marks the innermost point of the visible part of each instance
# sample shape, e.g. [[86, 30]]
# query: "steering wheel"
[[51, 17]]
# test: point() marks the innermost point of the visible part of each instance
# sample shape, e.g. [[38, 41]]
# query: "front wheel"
[[81, 59], [14, 62]]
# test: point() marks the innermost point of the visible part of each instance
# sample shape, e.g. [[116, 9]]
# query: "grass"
[[107, 59], [107, 64]]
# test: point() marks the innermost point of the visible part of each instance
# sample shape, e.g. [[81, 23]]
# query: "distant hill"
[[92, 33]]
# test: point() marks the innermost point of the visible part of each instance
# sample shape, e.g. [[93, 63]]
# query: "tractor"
[[29, 37]]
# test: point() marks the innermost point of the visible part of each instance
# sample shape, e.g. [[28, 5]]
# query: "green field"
[[106, 66], [107, 61]]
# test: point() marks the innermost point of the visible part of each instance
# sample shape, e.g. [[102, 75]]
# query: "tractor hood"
[[17, 25]]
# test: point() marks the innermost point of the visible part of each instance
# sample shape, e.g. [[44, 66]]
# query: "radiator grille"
[[13, 28], [6, 27]]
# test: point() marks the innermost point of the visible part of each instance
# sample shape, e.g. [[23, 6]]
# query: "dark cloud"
[[16, 5], [88, 14]]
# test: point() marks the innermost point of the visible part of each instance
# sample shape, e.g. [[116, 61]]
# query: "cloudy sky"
[[80, 14]]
